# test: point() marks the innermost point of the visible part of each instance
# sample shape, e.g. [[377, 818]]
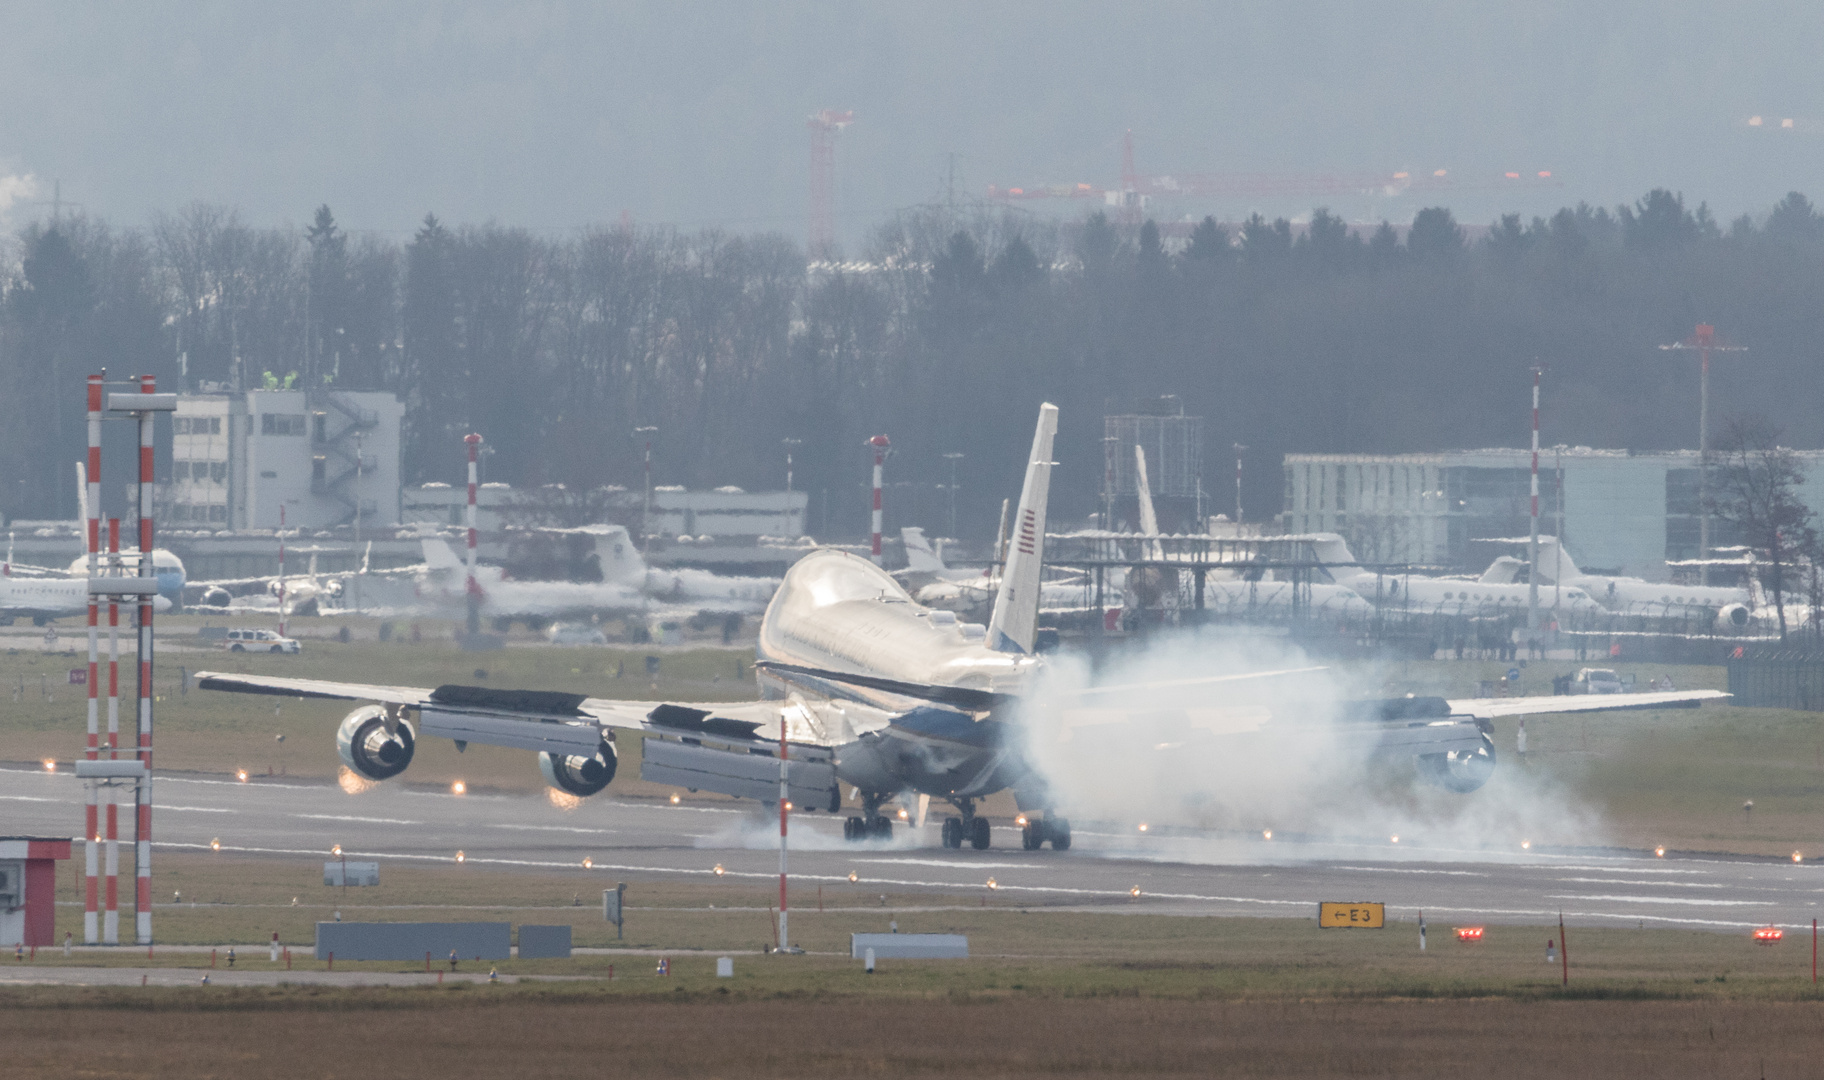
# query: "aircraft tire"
[[1032, 835], [851, 828], [882, 830], [1058, 829], [953, 832], [979, 837]]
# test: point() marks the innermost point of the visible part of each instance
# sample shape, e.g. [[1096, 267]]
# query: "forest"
[[944, 332]]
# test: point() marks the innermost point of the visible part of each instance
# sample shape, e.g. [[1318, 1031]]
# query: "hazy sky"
[[557, 114]]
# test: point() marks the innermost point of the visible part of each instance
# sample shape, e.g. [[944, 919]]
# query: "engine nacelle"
[[1734, 617], [216, 596], [579, 775], [367, 746], [1461, 771]]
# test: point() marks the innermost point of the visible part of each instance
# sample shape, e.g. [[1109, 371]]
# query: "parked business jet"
[[1729, 608], [1441, 595]]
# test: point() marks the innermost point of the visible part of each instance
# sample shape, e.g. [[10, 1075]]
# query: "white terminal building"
[[327, 456], [1618, 511]]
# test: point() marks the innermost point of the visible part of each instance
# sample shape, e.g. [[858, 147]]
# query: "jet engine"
[[1733, 617], [372, 747], [1461, 771], [216, 596], [578, 775]]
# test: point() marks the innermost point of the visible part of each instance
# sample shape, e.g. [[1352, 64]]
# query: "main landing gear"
[[871, 825], [969, 827], [1035, 831]]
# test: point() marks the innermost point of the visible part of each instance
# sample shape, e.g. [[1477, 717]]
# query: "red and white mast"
[[1532, 558], [92, 497], [474, 589], [143, 834], [110, 926], [880, 445], [281, 569]]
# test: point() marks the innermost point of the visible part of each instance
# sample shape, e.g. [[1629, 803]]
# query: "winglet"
[[920, 558], [1015, 622]]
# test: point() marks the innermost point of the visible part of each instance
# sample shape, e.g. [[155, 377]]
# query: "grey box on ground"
[[359, 873], [411, 940], [544, 942], [910, 946]]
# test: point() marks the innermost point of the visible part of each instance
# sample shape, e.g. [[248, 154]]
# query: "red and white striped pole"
[[1532, 558], [281, 569], [880, 445], [110, 926], [92, 496], [474, 589], [143, 834], [785, 805]]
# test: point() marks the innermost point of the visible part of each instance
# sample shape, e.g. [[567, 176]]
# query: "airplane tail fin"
[[1149, 518], [438, 555], [1015, 622], [620, 559], [367, 556], [1505, 570], [1555, 563], [1332, 549], [920, 558]]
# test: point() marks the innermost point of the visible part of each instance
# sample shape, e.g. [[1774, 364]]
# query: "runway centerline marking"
[[1618, 881], [362, 820], [195, 809]]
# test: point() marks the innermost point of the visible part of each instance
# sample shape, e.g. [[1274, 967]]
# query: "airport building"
[[327, 456], [1619, 512]]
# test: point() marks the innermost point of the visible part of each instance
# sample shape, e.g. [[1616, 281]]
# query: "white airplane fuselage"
[[840, 612]]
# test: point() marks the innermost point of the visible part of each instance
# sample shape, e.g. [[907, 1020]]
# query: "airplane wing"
[[754, 721], [726, 747], [1489, 708]]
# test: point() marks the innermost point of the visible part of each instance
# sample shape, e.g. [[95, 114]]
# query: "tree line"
[[945, 332]]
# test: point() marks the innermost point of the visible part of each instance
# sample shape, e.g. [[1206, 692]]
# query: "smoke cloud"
[[1274, 756]]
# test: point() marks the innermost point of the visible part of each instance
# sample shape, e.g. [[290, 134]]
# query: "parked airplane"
[[43, 599], [1262, 599], [871, 690], [628, 584], [1440, 595], [971, 593], [1729, 608]]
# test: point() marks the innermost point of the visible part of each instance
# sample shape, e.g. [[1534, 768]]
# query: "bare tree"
[[1756, 490]]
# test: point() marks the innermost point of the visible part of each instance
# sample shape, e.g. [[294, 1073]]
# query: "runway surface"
[[1177, 874]]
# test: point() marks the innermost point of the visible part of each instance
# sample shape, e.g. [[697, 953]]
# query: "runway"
[[1176, 874]]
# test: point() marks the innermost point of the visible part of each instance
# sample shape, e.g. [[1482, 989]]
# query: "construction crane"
[[824, 125], [1136, 192]]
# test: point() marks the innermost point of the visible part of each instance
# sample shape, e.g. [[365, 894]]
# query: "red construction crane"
[[824, 125], [1137, 191]]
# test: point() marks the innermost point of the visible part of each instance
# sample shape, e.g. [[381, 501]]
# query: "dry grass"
[[481, 1032]]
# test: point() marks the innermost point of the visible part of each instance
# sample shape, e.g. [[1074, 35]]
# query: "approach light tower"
[[824, 125], [1704, 341]]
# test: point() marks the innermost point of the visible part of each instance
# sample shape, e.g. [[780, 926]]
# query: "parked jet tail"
[[1015, 622], [439, 556], [920, 558]]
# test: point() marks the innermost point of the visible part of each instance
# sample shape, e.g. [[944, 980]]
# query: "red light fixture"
[[1469, 934]]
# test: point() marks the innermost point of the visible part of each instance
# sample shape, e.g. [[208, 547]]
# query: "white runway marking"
[[955, 864], [1403, 870], [1661, 884], [1670, 900], [195, 809], [362, 820], [555, 828]]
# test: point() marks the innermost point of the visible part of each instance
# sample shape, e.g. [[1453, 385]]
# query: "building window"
[[218, 513], [281, 424], [321, 422], [319, 468], [196, 425], [180, 471]]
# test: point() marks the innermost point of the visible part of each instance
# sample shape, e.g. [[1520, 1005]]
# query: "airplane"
[[864, 687], [1442, 595], [44, 599], [627, 584], [1237, 596], [1728, 608], [297, 594], [967, 592]]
